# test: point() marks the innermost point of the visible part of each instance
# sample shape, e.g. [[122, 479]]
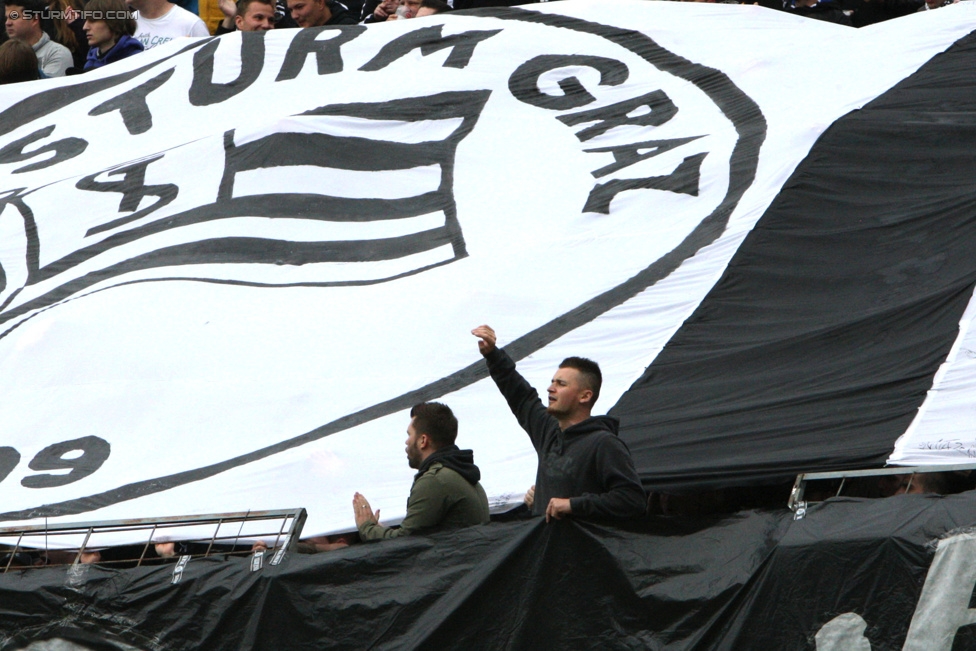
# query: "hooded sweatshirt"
[[460, 461], [445, 495], [126, 46], [587, 462]]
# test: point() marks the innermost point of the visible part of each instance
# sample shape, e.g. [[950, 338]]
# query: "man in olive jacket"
[[446, 492]]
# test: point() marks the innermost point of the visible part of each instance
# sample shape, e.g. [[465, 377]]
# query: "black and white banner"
[[228, 267]]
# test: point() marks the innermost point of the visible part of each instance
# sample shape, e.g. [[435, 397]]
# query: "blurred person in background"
[[160, 21], [246, 16], [24, 23], [66, 26], [17, 62], [431, 7], [109, 27]]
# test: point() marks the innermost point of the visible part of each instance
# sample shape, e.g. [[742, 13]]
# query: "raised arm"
[[522, 399]]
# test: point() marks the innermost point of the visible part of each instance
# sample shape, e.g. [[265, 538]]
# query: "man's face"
[[425, 11], [565, 391], [414, 457], [19, 27], [258, 17], [99, 35], [412, 7], [309, 13]]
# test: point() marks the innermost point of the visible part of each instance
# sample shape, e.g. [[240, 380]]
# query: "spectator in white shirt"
[[160, 21]]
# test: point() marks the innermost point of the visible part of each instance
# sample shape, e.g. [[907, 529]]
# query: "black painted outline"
[[741, 110], [350, 152]]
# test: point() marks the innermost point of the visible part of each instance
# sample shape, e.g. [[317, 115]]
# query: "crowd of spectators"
[[73, 36], [54, 38]]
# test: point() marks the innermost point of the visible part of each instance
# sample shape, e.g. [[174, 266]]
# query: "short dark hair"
[[17, 62], [437, 5], [589, 373], [437, 421], [114, 13], [242, 5], [29, 6]]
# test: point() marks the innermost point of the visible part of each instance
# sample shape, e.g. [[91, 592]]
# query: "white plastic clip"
[[280, 554], [801, 510], [178, 570]]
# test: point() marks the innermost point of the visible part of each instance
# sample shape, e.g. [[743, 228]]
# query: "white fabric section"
[[392, 130], [843, 633], [396, 184], [177, 376]]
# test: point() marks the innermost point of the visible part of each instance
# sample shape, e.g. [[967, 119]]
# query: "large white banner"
[[230, 266]]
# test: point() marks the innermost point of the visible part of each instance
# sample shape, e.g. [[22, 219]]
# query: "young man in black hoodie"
[[446, 492], [585, 470]]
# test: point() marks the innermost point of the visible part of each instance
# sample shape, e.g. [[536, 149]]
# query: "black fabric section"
[[661, 109], [9, 458], [683, 180], [48, 101], [328, 59], [627, 155], [516, 585], [64, 149], [229, 250], [15, 198], [429, 40], [965, 639], [868, 557], [344, 152], [204, 92], [246, 250], [756, 580], [524, 82], [442, 106], [816, 347], [132, 186], [94, 452], [270, 205], [458, 460], [132, 104]]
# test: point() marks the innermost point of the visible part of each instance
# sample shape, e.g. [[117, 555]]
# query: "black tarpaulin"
[[754, 580]]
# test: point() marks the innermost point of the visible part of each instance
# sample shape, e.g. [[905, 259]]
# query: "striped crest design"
[[288, 208]]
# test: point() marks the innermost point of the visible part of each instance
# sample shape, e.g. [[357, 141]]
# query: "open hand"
[[362, 511]]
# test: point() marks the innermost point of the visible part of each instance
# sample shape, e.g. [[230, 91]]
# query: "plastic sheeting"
[[847, 575]]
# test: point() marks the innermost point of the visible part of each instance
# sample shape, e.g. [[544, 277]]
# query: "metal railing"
[[283, 526], [797, 502]]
